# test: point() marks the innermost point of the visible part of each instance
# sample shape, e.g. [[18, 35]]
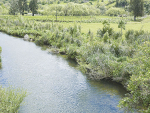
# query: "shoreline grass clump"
[[11, 99]]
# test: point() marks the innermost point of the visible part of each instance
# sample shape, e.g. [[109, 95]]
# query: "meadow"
[[98, 46], [93, 23]]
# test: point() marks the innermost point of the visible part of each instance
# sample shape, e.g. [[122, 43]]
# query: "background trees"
[[33, 6], [22, 4], [137, 7], [13, 7]]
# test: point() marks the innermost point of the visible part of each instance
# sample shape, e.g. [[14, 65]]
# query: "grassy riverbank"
[[104, 54]]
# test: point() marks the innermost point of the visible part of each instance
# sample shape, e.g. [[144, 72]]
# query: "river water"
[[53, 83]]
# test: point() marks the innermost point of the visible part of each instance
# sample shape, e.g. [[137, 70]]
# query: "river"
[[53, 83]]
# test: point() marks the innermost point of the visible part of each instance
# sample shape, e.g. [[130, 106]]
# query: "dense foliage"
[[70, 9], [137, 6], [11, 99], [105, 56], [76, 7], [33, 6]]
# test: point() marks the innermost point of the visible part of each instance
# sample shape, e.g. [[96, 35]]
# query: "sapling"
[[121, 25]]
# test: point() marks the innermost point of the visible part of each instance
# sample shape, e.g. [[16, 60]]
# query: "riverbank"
[[107, 56]]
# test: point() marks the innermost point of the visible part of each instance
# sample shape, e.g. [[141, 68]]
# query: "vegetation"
[[107, 55], [0, 58], [10, 99], [137, 7], [84, 33], [33, 6]]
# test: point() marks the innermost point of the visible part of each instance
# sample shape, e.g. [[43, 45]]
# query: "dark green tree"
[[137, 7], [33, 6], [13, 10], [22, 6]]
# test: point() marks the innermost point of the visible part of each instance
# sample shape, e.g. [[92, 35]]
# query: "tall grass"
[[11, 99]]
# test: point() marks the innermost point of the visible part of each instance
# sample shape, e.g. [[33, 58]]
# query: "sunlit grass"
[[68, 18], [85, 27], [11, 99]]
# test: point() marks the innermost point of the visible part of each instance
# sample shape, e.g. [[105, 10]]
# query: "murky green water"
[[53, 83]]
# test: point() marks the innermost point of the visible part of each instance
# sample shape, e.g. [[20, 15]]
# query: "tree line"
[[20, 6]]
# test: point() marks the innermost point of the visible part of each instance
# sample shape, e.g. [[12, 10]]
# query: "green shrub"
[[128, 33], [10, 99], [115, 11], [106, 28], [116, 35]]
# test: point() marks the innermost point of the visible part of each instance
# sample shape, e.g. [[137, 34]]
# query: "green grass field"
[[93, 25], [66, 21], [145, 25]]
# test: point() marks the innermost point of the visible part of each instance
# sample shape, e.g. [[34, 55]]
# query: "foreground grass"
[[11, 99], [105, 55]]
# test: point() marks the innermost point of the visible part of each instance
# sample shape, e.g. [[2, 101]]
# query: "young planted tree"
[[137, 7], [33, 6], [121, 25]]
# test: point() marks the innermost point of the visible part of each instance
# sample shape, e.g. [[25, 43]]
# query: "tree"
[[13, 7], [121, 25], [22, 6], [137, 7], [33, 6]]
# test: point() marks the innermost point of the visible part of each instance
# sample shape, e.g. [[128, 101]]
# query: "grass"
[[89, 22], [73, 18], [11, 99], [95, 26]]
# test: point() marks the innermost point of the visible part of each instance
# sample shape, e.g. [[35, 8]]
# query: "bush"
[[115, 11], [71, 9], [10, 99], [106, 28]]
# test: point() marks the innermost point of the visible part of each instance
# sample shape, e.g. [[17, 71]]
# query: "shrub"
[[115, 11], [106, 28], [10, 99]]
